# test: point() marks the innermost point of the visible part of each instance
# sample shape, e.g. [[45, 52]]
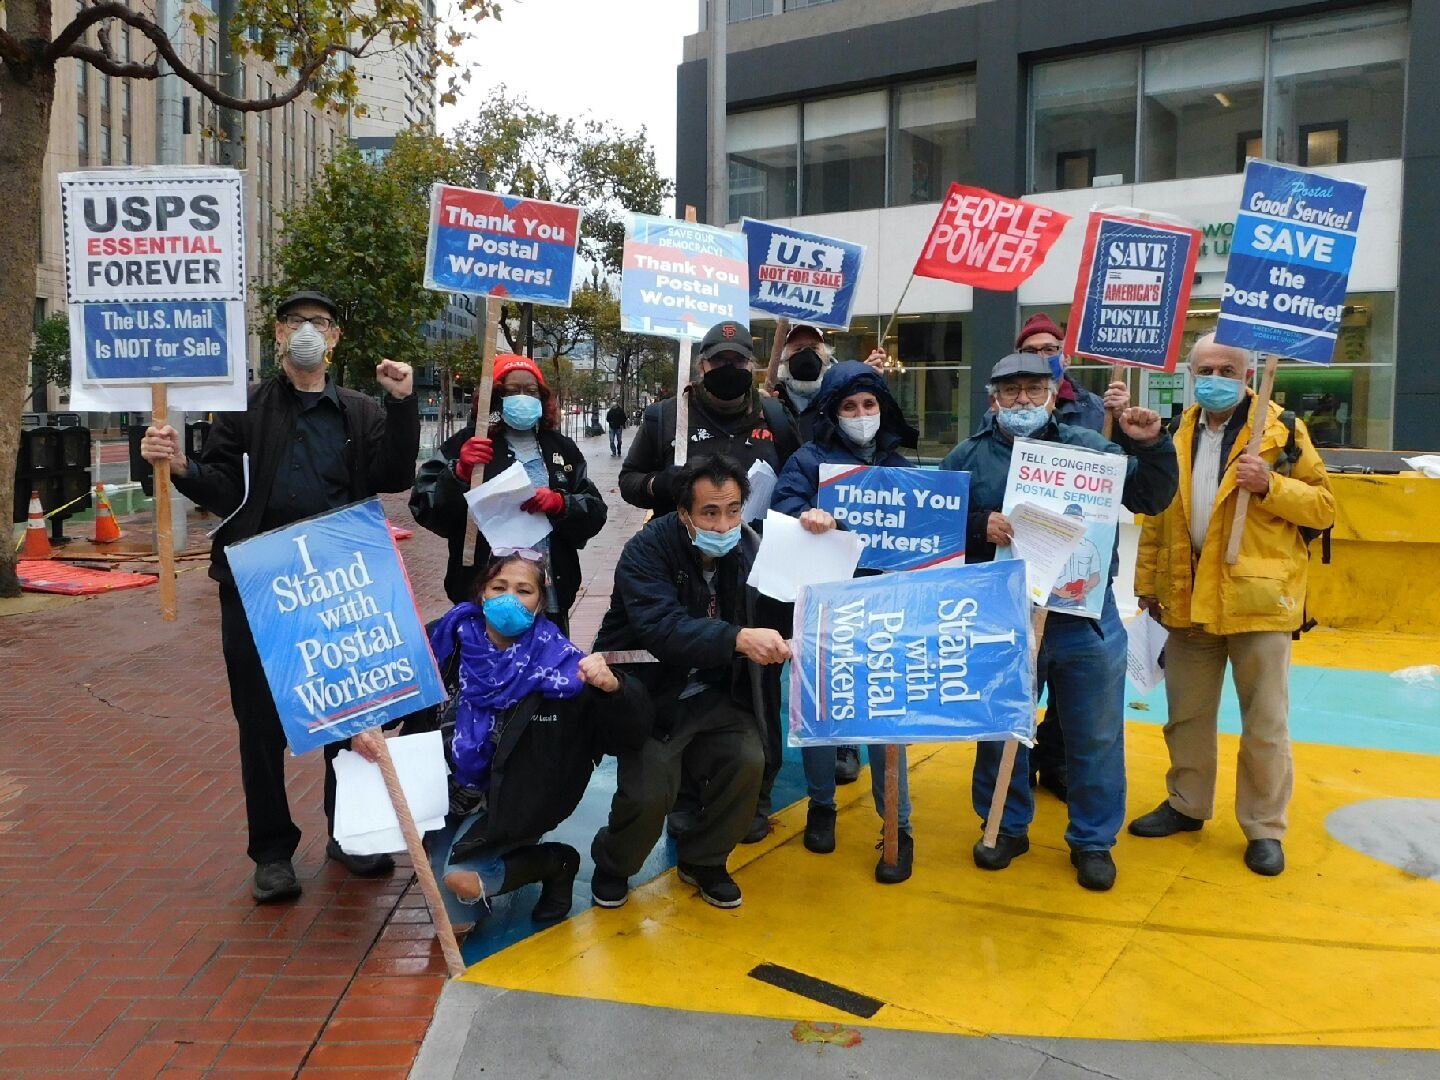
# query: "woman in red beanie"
[[522, 427]]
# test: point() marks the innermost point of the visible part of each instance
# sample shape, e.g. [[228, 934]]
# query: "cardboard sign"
[[1081, 483], [1132, 291], [987, 240], [930, 656], [801, 276], [486, 244], [908, 519], [678, 278], [1290, 262], [334, 621]]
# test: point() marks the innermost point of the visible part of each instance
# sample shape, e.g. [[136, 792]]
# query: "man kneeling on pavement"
[[680, 595]]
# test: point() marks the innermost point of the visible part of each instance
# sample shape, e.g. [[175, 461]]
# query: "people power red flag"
[[988, 240]]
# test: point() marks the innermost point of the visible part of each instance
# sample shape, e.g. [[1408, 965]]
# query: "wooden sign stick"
[[1258, 419], [439, 917], [683, 374], [1007, 756], [772, 373], [164, 526], [1116, 372], [890, 835], [482, 417]]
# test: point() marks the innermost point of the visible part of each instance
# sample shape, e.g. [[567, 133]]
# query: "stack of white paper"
[[1045, 540], [762, 486], [365, 822], [495, 506], [790, 557]]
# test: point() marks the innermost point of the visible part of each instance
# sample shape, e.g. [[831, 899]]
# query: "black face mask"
[[727, 382], [805, 365]]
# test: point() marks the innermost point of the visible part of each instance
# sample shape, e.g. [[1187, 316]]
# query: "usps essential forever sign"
[[678, 278], [908, 519], [801, 276], [335, 624], [931, 656], [1081, 483], [1132, 291], [500, 245], [987, 240], [1290, 262]]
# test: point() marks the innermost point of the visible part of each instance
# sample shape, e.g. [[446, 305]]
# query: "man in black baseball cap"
[[305, 296]]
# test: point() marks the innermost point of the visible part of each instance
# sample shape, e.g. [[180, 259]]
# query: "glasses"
[[517, 391], [528, 554], [320, 322], [1041, 350], [1039, 393]]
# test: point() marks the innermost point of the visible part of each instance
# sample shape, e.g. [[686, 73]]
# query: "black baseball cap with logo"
[[728, 336], [295, 299]]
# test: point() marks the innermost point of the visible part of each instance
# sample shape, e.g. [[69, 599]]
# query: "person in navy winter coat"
[[857, 422]]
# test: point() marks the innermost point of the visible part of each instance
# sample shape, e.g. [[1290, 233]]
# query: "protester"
[[532, 717], [615, 421], [1082, 658], [1244, 613], [525, 431], [803, 362], [312, 446], [681, 595], [857, 422]]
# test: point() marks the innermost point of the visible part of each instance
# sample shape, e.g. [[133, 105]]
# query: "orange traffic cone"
[[107, 530], [37, 544]]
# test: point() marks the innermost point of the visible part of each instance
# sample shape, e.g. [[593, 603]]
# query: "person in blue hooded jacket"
[[857, 422]]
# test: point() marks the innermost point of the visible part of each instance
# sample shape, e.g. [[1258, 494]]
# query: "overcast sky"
[[614, 59]]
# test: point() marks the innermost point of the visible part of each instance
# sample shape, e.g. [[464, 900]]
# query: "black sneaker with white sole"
[[716, 886], [609, 890]]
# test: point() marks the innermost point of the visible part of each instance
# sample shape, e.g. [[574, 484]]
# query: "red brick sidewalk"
[[129, 945]]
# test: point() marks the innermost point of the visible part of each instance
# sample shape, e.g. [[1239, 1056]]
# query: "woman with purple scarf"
[[533, 716]]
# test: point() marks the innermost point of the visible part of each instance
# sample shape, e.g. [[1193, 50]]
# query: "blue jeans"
[[489, 863], [1083, 662], [819, 762]]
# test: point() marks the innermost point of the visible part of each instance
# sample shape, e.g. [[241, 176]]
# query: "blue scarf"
[[492, 680]]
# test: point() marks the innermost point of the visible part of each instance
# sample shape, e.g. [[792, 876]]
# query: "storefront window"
[[761, 146], [1084, 121], [934, 388], [845, 153], [1203, 101], [1338, 87], [934, 140]]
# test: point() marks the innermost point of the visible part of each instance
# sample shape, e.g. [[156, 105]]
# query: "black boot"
[[555, 866]]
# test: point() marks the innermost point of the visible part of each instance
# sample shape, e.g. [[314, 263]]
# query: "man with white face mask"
[[312, 447]]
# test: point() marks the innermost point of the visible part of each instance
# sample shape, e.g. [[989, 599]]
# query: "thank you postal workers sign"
[[988, 240], [1132, 291], [678, 278], [931, 656], [801, 276], [1079, 483], [1290, 262], [154, 274], [334, 621], [504, 246], [908, 519]]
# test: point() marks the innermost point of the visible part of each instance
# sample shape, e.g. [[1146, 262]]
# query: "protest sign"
[[987, 240], [801, 276], [1076, 482], [501, 245], [1290, 262], [1145, 652], [679, 278], [335, 624], [1132, 291], [909, 519], [1045, 542], [930, 656]]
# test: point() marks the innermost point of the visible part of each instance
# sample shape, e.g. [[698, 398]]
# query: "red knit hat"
[[505, 363], [1039, 323]]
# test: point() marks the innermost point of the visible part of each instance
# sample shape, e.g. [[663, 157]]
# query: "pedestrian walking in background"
[[615, 421]]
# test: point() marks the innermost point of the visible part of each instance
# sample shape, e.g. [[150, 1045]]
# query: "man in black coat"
[[680, 596], [313, 447], [615, 421]]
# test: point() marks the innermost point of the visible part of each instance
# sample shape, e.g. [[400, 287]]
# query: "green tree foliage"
[[50, 353]]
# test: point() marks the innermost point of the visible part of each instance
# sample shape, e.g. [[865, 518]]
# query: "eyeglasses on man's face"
[[532, 390], [321, 322], [1041, 350], [1010, 393]]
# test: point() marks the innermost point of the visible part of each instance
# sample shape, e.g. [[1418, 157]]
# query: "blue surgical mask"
[[521, 411], [507, 614], [716, 544], [1216, 393], [1022, 421]]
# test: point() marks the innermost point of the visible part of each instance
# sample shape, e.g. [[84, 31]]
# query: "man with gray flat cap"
[[313, 446]]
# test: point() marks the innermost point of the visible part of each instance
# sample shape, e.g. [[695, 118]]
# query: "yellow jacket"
[[1265, 589]]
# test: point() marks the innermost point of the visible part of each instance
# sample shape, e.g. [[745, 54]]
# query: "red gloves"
[[545, 501], [473, 452]]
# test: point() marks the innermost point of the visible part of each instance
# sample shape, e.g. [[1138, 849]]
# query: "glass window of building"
[[761, 147], [104, 144], [743, 10], [104, 91], [845, 153], [1337, 87], [1083, 112], [796, 5], [82, 80], [1203, 102], [934, 125], [82, 139], [125, 154]]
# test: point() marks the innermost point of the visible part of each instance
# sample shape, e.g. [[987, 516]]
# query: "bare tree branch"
[[110, 66]]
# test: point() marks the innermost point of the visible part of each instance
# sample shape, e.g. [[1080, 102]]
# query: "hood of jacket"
[[852, 377]]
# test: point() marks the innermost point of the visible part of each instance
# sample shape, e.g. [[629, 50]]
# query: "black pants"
[[273, 834]]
